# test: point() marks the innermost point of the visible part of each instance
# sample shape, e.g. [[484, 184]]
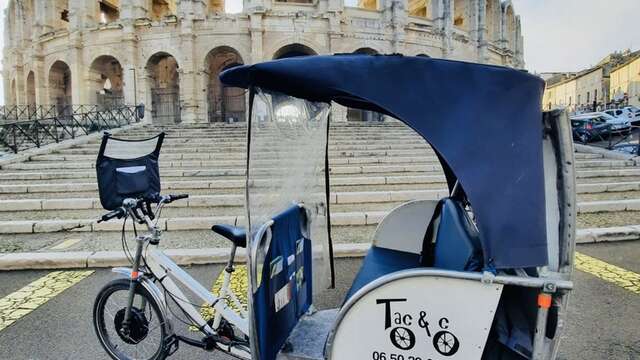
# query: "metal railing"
[[627, 141], [24, 127]]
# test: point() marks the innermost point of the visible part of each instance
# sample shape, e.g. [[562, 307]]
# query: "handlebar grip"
[[118, 213], [178, 197]]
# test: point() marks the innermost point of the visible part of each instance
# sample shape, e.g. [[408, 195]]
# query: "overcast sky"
[[559, 35]]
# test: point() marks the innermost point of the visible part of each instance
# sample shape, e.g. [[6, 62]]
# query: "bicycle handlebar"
[[135, 203]]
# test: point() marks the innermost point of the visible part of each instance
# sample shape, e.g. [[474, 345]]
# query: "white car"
[[630, 113], [618, 124], [636, 114]]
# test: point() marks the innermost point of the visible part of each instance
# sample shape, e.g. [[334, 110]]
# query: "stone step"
[[57, 165], [6, 176], [36, 188], [350, 218], [333, 155]]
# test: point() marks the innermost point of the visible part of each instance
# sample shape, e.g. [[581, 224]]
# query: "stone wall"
[[86, 50]]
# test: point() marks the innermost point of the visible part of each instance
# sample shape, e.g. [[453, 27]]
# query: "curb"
[[105, 259], [608, 154]]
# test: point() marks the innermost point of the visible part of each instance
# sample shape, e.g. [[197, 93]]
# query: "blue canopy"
[[484, 122]]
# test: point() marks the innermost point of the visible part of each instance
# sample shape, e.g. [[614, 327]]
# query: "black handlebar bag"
[[127, 169]]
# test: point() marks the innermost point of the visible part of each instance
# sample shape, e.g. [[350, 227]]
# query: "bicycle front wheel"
[[143, 337]]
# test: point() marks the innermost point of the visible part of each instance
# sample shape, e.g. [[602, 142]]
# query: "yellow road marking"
[[20, 303], [238, 284], [65, 244], [616, 275]]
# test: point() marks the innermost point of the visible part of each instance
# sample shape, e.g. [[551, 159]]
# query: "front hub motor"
[[137, 329]]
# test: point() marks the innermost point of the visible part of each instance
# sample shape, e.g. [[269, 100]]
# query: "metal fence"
[[627, 141], [24, 127]]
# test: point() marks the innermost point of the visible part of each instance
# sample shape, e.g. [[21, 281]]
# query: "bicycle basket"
[[127, 169]]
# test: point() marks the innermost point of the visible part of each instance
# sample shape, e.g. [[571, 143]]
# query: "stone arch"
[[159, 9], [223, 103], [509, 25], [358, 114], [492, 20], [31, 88], [105, 84], [163, 85], [60, 92], [366, 51], [293, 50]]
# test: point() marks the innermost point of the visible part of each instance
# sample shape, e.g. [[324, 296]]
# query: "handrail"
[[24, 127]]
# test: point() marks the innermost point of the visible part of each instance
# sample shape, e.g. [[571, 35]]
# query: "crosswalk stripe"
[[20, 303], [626, 279]]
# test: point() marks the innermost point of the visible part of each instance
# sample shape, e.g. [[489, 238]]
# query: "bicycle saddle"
[[235, 234]]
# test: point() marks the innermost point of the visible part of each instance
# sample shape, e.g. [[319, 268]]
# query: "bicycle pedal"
[[172, 345]]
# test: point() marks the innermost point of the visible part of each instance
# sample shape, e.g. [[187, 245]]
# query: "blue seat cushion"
[[457, 244], [380, 262]]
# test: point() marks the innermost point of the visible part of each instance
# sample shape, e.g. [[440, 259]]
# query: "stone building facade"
[[167, 54], [625, 82]]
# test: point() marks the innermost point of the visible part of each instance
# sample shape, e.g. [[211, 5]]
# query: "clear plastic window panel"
[[127, 150], [286, 166]]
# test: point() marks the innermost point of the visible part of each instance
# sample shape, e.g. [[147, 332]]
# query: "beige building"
[[625, 82], [167, 54]]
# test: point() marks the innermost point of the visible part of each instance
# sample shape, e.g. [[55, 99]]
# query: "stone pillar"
[[79, 78], [45, 15], [437, 11], [395, 12], [131, 10], [83, 14], [519, 55], [447, 28], [40, 77], [256, 29], [133, 72], [21, 94], [188, 63], [483, 32]]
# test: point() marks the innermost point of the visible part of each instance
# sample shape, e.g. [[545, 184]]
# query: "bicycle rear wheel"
[[144, 338]]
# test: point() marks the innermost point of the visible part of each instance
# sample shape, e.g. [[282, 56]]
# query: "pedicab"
[[483, 273]]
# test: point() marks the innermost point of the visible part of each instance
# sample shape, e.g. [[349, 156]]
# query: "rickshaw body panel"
[[514, 166]]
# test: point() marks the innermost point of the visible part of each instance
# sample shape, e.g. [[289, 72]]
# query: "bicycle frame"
[[167, 273]]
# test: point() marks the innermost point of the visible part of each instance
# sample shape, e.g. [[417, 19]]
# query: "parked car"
[[618, 124], [636, 114], [590, 129], [629, 113]]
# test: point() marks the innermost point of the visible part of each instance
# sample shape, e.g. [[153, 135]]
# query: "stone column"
[[256, 30], [133, 72], [40, 79], [83, 14], [395, 12], [519, 55], [188, 63], [447, 28], [483, 32], [131, 10], [45, 15]]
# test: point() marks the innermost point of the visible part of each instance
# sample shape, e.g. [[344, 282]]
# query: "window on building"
[[109, 11], [569, 100], [595, 95], [588, 97], [578, 98]]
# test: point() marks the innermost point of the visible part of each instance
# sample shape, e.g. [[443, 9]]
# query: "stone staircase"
[[374, 167]]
